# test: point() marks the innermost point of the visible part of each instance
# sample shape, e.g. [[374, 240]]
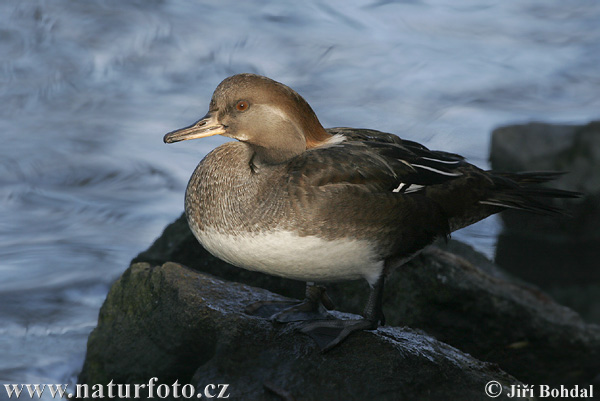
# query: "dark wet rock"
[[174, 323], [515, 325], [465, 301], [560, 254]]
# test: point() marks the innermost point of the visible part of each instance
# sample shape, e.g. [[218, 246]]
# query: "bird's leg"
[[329, 333], [314, 306], [374, 307], [311, 308]]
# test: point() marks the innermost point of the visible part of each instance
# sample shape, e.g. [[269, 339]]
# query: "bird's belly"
[[285, 254]]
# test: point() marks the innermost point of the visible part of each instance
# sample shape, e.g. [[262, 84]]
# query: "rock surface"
[[174, 323], [560, 254]]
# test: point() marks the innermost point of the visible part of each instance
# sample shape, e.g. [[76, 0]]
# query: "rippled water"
[[87, 90]]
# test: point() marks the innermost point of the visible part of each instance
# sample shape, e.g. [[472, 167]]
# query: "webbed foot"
[[313, 307], [323, 328], [329, 333]]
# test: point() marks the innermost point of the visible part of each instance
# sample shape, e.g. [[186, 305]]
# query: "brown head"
[[272, 118]]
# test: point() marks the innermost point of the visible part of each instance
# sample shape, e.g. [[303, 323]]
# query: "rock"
[[174, 323], [465, 301], [514, 325], [560, 254]]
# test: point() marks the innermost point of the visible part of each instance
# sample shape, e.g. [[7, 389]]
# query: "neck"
[[290, 141], [314, 133], [275, 155]]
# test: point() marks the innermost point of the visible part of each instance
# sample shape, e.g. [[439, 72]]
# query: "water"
[[88, 89]]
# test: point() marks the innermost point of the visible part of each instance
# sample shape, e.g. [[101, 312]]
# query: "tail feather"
[[515, 191], [530, 177], [521, 203], [478, 194], [549, 192]]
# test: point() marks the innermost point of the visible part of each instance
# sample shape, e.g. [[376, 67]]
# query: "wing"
[[378, 161]]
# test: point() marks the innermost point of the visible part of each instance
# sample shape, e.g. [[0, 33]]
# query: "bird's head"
[[269, 116]]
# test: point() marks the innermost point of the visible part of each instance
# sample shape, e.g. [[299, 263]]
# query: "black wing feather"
[[377, 160]]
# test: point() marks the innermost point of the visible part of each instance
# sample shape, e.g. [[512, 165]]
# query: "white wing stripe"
[[495, 203], [440, 161], [414, 188], [399, 188], [408, 188], [437, 171]]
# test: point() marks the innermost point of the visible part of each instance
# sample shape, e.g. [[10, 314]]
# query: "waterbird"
[[293, 199]]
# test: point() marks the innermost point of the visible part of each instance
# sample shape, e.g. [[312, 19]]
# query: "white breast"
[[285, 254]]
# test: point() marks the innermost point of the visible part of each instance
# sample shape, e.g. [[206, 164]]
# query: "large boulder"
[[176, 324]]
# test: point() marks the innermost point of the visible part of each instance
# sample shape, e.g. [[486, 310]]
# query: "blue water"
[[88, 89]]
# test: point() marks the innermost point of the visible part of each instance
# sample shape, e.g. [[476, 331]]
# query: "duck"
[[292, 199]]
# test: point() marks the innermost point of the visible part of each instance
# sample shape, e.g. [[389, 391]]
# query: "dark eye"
[[242, 105]]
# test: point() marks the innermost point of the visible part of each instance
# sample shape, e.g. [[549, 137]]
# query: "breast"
[[220, 187], [286, 254]]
